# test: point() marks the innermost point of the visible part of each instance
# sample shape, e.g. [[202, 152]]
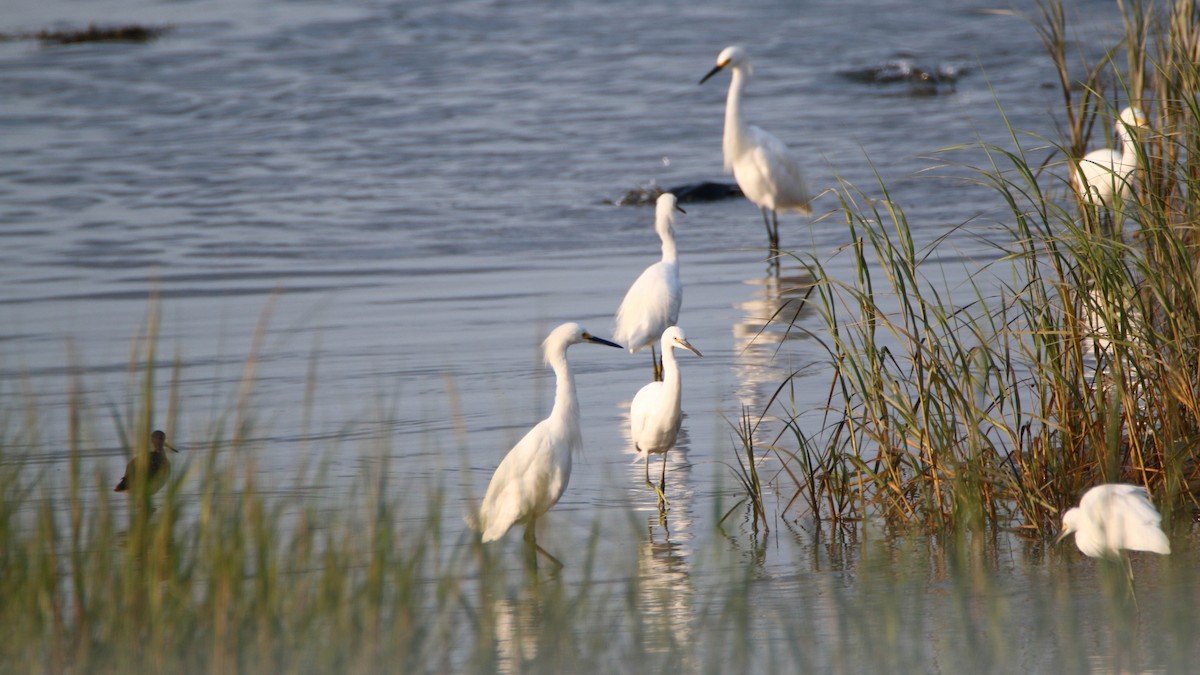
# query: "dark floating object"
[[688, 193], [920, 80], [93, 33]]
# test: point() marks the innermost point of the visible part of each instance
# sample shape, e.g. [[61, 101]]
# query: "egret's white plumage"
[[534, 474], [655, 413], [1114, 517], [1105, 174], [763, 166], [158, 469], [652, 302]]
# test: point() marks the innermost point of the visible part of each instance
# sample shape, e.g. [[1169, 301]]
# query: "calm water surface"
[[422, 188]]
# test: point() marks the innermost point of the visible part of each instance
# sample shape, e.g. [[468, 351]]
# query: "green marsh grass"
[[999, 408], [960, 419], [220, 573]]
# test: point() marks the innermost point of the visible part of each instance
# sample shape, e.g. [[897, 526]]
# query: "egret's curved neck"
[[669, 254], [735, 126], [671, 380], [566, 403], [1128, 145]]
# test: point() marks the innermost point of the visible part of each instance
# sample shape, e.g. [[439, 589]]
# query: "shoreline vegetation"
[[1083, 371], [971, 422]]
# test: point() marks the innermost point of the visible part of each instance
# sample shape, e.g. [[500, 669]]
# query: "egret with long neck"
[[652, 302], [763, 165], [535, 472]]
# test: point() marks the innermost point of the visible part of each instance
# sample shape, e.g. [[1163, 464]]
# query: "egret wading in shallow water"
[[655, 413], [1113, 517], [1104, 177], [763, 166], [534, 474], [652, 302], [159, 469]]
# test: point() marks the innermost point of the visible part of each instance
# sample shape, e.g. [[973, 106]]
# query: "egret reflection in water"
[[666, 595], [775, 314]]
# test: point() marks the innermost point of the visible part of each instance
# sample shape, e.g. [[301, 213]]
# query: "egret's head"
[[665, 207], [1134, 118], [674, 337], [730, 57], [1071, 522], [569, 334]]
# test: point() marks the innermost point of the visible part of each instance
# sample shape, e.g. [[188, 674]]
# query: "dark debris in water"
[[921, 80], [93, 33], [688, 193]]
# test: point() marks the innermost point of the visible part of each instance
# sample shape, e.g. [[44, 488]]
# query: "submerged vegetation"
[[963, 419]]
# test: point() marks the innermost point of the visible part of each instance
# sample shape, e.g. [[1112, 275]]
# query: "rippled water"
[[424, 186]]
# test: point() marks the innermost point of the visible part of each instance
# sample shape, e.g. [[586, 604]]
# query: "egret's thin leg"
[[774, 231], [657, 363], [767, 222], [648, 481], [557, 563], [662, 485], [662, 497], [530, 547]]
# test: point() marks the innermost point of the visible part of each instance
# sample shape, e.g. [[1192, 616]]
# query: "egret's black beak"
[[716, 69], [679, 208], [600, 341], [169, 447]]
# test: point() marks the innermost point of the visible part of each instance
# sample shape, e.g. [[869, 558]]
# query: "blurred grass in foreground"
[[221, 575]]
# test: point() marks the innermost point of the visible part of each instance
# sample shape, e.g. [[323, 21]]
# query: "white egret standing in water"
[[652, 302], [763, 166], [534, 474], [1113, 517], [655, 413]]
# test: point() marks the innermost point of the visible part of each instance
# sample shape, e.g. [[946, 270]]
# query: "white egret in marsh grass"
[[655, 414], [1114, 517], [652, 303], [535, 472], [1104, 177], [764, 167], [158, 469]]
